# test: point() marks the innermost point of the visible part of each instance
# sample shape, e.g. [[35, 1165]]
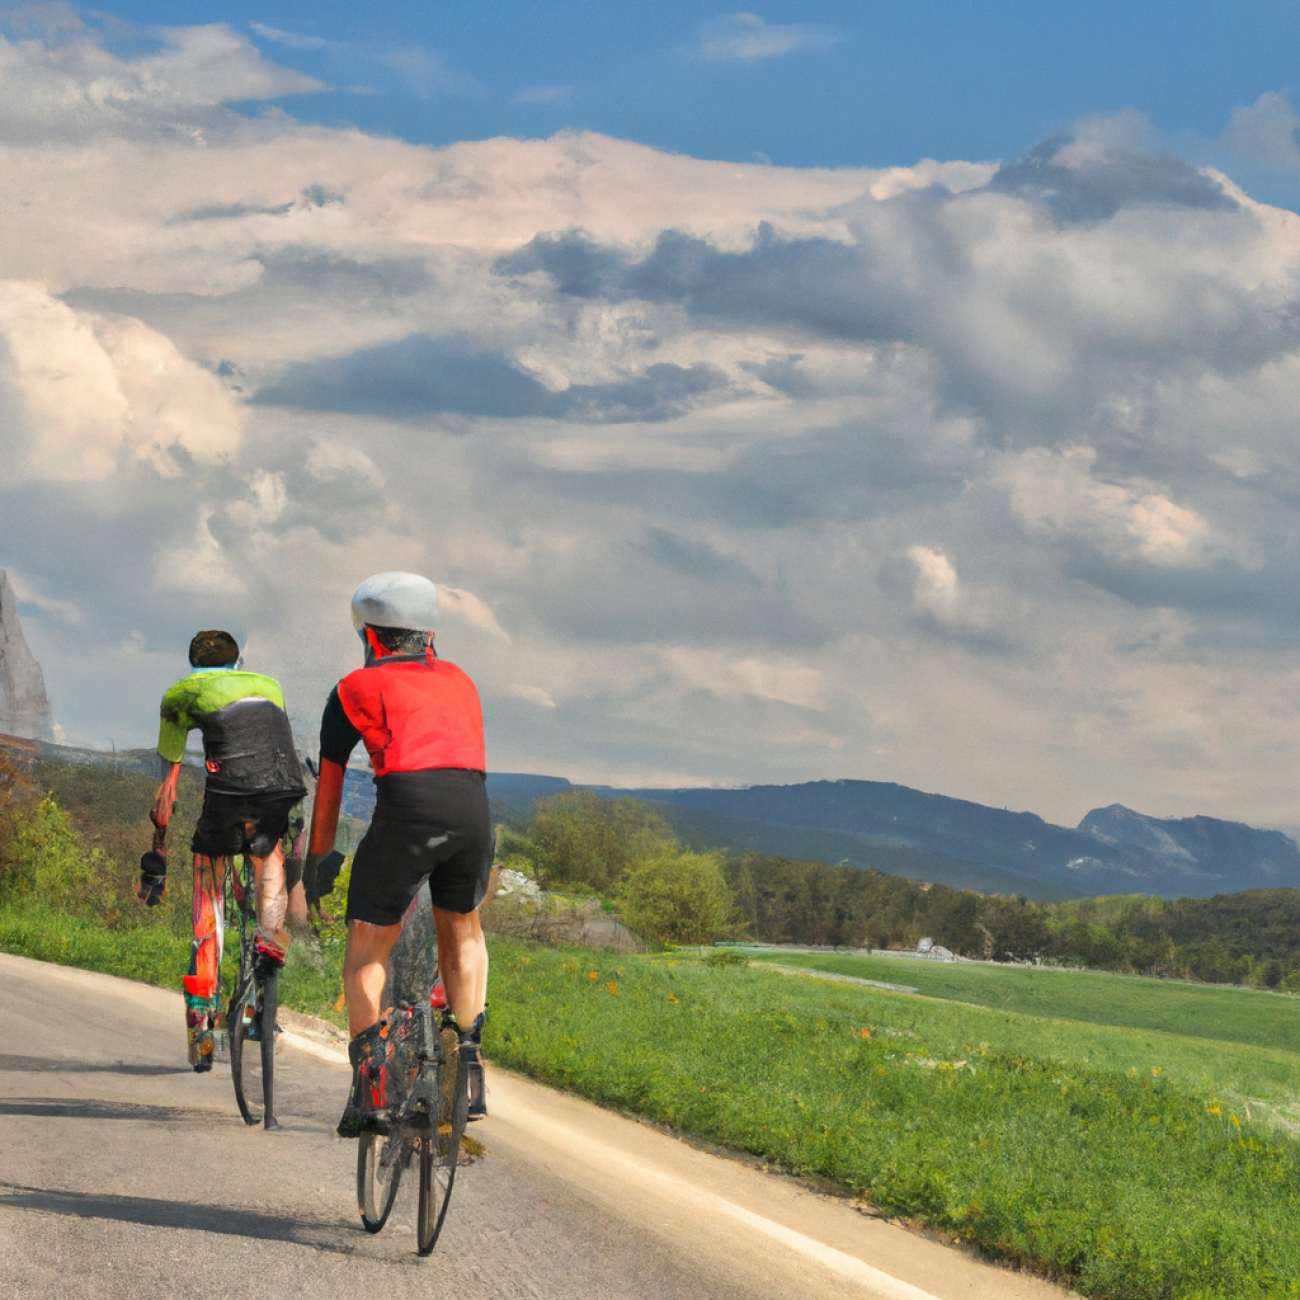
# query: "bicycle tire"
[[439, 1151], [238, 1034], [381, 1158], [270, 1010]]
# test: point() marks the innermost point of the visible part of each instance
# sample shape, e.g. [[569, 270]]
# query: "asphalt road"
[[123, 1174]]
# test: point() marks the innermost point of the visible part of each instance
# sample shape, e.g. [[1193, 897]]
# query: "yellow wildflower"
[[611, 987]]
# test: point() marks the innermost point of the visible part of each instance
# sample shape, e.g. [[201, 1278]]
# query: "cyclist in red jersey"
[[422, 725]]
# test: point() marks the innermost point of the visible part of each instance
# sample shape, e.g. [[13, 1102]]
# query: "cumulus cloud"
[[746, 38], [72, 83], [936, 590], [1058, 495], [726, 472], [1267, 133], [93, 390]]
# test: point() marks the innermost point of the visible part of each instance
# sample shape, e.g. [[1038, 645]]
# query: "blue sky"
[[816, 84], [744, 443]]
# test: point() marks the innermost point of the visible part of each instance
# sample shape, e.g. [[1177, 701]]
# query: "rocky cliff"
[[24, 707]]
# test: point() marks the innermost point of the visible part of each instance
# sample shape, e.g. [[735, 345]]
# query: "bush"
[[678, 897], [50, 863], [580, 838], [726, 957]]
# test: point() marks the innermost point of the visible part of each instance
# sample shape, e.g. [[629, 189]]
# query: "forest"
[[577, 839]]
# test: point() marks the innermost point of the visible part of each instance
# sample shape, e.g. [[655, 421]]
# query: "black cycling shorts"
[[432, 825], [231, 824]]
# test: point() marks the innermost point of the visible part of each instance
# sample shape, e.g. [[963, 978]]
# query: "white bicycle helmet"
[[395, 600]]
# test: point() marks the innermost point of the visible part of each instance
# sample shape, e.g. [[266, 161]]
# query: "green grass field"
[[1093, 1153], [1219, 1011], [1242, 1045]]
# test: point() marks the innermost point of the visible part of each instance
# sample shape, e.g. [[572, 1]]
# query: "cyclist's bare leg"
[[271, 900], [463, 962], [297, 907], [205, 954], [365, 969]]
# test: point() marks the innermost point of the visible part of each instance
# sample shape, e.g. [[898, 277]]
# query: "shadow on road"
[[224, 1219], [45, 1065], [88, 1108]]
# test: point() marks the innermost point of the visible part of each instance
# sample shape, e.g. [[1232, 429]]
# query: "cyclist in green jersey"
[[253, 783]]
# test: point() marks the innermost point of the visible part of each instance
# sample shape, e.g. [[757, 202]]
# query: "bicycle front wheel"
[[381, 1157], [439, 1151], [245, 1070], [435, 1190]]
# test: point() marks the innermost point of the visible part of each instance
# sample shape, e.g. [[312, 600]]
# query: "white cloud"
[[94, 389], [427, 73], [465, 605], [1265, 134], [291, 40], [29, 595], [770, 473], [936, 591], [775, 678], [746, 38], [533, 694], [77, 85], [1059, 496]]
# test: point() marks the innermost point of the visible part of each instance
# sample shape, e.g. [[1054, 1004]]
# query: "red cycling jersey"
[[415, 714]]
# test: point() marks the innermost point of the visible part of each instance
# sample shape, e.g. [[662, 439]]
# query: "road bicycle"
[[427, 1088], [251, 1014]]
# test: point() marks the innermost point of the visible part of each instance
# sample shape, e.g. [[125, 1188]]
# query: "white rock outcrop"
[[24, 706]]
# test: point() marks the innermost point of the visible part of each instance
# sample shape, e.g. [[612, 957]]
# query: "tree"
[[580, 838], [678, 897]]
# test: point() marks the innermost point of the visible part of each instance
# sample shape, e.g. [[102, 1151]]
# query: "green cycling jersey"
[[247, 740]]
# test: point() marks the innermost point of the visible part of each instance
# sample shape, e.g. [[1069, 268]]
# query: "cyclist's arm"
[[325, 811], [338, 738], [165, 800], [153, 865]]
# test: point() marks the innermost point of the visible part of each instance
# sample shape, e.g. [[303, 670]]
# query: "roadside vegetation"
[[1076, 1150], [1132, 1138]]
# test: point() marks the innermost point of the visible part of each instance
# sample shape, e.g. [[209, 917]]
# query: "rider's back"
[[415, 714], [247, 738]]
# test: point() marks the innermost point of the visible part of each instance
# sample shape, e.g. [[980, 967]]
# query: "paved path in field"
[[123, 1174]]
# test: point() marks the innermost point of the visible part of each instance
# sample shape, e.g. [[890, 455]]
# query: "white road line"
[[884, 1286]]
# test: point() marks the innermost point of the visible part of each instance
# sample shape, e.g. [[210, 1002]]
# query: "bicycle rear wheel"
[[439, 1150], [381, 1158]]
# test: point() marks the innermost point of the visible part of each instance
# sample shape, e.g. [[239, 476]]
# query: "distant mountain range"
[[896, 829], [955, 842]]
